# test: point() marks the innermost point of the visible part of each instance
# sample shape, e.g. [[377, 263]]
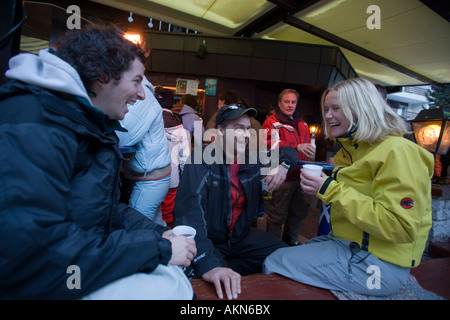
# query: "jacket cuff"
[[165, 251], [203, 266], [324, 186], [290, 155]]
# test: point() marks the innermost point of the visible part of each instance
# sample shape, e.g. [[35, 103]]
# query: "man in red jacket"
[[288, 205]]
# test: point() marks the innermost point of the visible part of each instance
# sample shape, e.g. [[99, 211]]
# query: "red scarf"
[[238, 197]]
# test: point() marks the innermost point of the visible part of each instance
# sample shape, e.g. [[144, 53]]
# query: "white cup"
[[313, 169], [186, 231]]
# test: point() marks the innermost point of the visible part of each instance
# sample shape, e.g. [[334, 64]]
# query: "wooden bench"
[[441, 248], [433, 275]]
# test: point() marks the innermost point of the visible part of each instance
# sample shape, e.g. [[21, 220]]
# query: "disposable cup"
[[312, 169], [186, 231]]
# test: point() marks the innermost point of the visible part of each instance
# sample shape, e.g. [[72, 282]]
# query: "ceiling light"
[[133, 37]]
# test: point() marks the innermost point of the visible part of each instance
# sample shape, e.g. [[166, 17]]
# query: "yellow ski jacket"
[[380, 197]]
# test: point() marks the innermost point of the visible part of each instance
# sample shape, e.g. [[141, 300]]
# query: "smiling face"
[[335, 118], [236, 132], [288, 104], [112, 97]]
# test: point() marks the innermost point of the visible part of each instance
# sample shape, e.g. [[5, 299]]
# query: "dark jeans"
[[287, 207], [247, 256]]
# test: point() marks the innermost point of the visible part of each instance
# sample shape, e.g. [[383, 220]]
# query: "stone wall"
[[440, 230]]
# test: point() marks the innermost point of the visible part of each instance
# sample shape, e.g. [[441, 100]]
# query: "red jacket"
[[290, 134]]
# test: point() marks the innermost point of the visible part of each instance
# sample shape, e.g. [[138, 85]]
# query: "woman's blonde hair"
[[371, 118]]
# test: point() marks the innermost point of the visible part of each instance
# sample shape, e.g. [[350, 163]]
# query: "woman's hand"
[[310, 183]]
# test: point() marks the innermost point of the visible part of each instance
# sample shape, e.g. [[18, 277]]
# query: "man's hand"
[[275, 178], [307, 149], [231, 281], [183, 250]]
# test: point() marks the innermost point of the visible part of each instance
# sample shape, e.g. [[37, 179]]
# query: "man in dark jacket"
[[64, 233], [220, 198]]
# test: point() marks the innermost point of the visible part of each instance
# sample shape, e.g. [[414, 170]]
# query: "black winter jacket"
[[59, 200], [203, 201]]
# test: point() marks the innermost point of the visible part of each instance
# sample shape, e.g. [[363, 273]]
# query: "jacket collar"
[[215, 147], [105, 123], [283, 118], [354, 150]]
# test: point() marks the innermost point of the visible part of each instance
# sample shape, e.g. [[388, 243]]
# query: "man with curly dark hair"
[[64, 233]]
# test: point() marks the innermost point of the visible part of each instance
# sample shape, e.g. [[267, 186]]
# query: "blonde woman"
[[379, 195]]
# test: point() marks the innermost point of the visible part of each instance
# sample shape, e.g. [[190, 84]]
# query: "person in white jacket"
[[179, 146], [149, 167]]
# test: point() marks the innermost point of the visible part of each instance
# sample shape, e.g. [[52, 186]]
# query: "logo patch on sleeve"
[[407, 203]]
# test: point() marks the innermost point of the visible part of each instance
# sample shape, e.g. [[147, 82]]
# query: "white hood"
[[47, 71], [148, 84]]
